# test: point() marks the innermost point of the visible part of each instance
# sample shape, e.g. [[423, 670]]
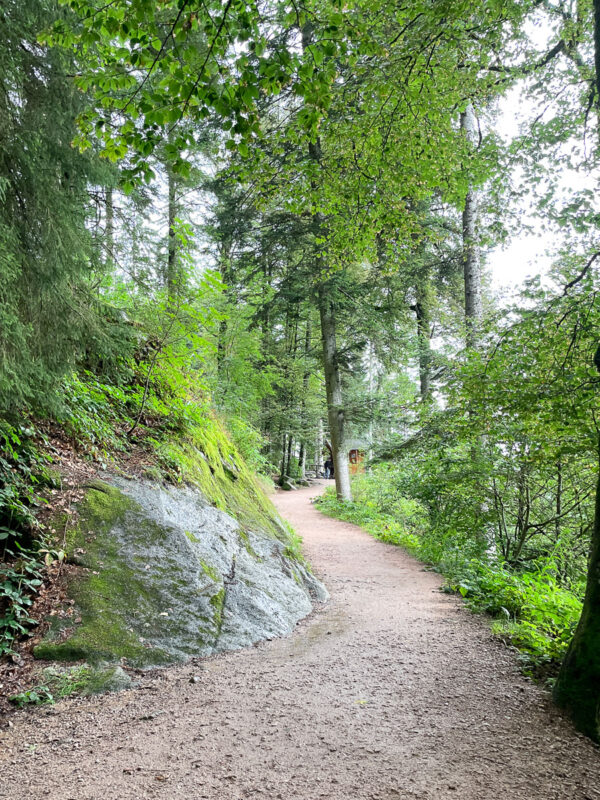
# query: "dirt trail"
[[392, 690]]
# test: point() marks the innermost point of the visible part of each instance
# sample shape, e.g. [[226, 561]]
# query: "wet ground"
[[391, 690]]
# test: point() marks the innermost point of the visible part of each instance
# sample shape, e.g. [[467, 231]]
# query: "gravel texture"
[[391, 690]]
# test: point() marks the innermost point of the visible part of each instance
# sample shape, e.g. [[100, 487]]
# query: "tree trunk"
[[422, 313], [319, 444], [471, 255], [577, 688], [226, 275], [289, 456], [302, 461], [110, 229], [265, 324], [283, 457], [333, 379], [305, 386], [171, 277], [333, 387], [370, 365]]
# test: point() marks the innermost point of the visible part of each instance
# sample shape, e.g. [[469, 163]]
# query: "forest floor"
[[391, 690]]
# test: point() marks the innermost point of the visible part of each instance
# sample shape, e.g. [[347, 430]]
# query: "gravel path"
[[392, 690]]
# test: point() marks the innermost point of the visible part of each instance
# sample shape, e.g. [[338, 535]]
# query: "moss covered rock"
[[165, 576]]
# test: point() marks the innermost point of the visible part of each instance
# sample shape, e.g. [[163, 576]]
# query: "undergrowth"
[[531, 611], [178, 436], [25, 550]]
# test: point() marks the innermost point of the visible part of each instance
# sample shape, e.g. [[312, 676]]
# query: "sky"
[[525, 254]]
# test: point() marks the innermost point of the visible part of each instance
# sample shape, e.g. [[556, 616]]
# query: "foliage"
[[313, 158], [49, 314], [25, 551], [39, 695]]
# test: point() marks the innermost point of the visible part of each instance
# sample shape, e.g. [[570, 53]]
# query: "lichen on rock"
[[165, 576]]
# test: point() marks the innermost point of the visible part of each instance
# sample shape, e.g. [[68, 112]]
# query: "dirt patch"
[[392, 690]]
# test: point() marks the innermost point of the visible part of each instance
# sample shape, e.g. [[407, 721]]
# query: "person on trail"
[[328, 468]]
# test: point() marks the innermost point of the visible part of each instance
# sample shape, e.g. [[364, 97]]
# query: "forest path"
[[391, 690]]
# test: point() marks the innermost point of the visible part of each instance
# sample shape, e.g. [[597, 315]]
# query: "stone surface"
[[164, 577], [107, 678]]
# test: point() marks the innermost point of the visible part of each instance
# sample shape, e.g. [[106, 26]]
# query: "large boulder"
[[163, 576]]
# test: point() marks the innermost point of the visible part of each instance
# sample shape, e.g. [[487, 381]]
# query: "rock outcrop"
[[163, 576]]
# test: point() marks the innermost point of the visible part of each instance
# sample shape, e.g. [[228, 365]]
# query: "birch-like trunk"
[[302, 461], [471, 253]]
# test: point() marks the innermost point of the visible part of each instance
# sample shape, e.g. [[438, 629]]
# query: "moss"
[[208, 460], [293, 548], [60, 651], [217, 601], [245, 540], [212, 573], [102, 507], [153, 473], [111, 597], [125, 611], [82, 679]]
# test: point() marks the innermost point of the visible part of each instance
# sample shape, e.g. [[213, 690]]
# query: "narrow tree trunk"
[[471, 255], [110, 229], [171, 277], [282, 472], [422, 313], [558, 499], [333, 387], [289, 456], [319, 448], [302, 461], [371, 384], [305, 384], [225, 270], [265, 323]]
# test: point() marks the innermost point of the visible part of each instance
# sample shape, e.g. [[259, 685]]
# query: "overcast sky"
[[525, 255]]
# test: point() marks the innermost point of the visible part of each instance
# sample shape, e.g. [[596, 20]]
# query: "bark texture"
[[110, 229], [423, 314], [333, 387], [319, 444], [577, 688], [333, 380], [471, 254], [171, 277]]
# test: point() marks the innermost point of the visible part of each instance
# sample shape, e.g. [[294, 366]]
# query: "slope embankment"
[[389, 690]]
